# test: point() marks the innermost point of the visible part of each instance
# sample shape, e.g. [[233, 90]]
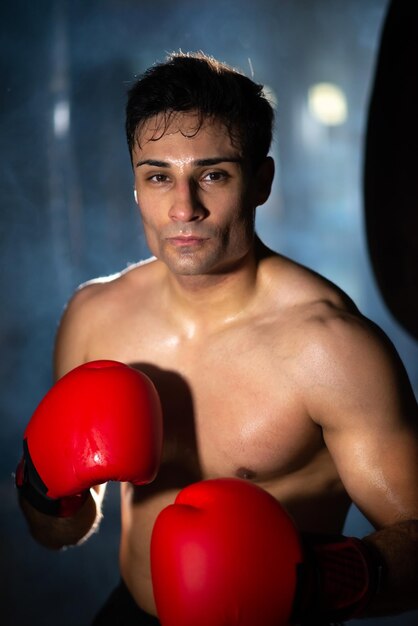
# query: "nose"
[[186, 205]]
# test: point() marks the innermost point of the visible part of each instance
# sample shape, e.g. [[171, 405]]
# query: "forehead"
[[185, 131]]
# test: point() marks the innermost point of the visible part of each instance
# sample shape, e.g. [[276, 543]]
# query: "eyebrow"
[[198, 162]]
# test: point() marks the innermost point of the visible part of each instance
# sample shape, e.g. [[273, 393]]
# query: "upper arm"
[[72, 347], [71, 342], [362, 398]]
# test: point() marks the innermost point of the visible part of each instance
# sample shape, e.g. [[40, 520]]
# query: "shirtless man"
[[266, 371]]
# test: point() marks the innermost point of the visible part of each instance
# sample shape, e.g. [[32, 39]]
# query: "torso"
[[233, 403]]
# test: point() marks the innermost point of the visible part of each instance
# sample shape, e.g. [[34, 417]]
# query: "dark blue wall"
[[67, 212]]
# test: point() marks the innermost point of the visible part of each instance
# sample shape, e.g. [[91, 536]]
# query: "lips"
[[186, 240]]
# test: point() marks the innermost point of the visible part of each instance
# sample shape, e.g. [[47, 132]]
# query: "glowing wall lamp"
[[328, 104]]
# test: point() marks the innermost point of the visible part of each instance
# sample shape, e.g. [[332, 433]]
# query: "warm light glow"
[[328, 104]]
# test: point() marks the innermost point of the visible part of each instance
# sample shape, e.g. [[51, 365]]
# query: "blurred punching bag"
[[391, 165]]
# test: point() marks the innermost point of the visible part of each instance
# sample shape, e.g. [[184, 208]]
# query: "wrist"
[[33, 490]]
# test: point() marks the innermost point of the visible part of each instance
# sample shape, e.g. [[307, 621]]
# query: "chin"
[[187, 269], [188, 264]]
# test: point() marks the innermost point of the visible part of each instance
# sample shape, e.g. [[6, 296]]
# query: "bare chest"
[[230, 406]]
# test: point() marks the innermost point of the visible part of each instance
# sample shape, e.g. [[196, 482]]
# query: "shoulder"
[[352, 371], [295, 285], [313, 308], [96, 297], [105, 288], [106, 291], [340, 359], [94, 304]]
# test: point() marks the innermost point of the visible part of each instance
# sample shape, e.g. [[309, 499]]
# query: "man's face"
[[196, 194]]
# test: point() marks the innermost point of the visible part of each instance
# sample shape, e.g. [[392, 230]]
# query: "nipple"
[[247, 474]]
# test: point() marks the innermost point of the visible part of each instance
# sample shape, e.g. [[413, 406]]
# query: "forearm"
[[56, 532], [397, 547]]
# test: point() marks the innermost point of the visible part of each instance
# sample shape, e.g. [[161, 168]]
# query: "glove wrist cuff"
[[338, 581], [32, 488]]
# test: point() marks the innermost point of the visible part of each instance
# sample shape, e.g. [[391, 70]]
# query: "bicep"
[[368, 414], [378, 466]]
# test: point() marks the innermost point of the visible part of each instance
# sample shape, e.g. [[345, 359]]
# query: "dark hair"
[[196, 82]]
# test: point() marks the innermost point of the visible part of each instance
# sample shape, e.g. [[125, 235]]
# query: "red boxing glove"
[[227, 554], [224, 554], [101, 421], [337, 580]]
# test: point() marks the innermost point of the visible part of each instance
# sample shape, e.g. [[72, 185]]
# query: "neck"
[[211, 301]]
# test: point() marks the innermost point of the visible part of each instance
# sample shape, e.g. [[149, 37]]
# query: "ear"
[[264, 180]]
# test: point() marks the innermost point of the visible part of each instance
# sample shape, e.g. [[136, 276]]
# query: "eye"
[[214, 177], [158, 178]]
